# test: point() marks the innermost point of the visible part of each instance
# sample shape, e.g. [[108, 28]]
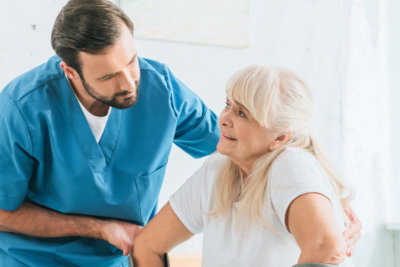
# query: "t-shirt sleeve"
[[187, 204], [16, 162], [293, 175], [197, 131]]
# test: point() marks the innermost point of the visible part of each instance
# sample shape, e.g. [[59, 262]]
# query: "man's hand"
[[120, 234], [353, 230], [49, 223]]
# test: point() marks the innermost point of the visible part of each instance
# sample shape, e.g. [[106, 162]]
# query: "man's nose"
[[127, 81]]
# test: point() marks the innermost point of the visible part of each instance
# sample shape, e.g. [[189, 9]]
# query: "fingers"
[[134, 230], [347, 209], [123, 242], [351, 235], [352, 242], [350, 213], [352, 217], [353, 229], [126, 251], [121, 234]]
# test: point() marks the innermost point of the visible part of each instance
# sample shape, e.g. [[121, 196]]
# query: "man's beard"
[[113, 101]]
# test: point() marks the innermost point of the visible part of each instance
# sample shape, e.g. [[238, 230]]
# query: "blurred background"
[[346, 50]]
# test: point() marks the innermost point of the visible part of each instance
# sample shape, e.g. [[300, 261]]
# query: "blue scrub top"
[[49, 156]]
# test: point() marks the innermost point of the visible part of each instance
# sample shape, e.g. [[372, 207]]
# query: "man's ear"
[[69, 71], [280, 141]]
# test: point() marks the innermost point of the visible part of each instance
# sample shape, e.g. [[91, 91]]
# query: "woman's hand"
[[353, 230]]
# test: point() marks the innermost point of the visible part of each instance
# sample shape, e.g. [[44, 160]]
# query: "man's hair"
[[89, 26]]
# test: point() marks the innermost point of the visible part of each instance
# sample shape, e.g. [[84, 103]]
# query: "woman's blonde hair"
[[279, 100]]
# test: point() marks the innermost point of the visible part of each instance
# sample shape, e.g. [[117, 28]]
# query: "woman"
[[268, 197]]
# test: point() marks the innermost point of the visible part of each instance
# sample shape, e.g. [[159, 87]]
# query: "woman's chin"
[[220, 149], [223, 151]]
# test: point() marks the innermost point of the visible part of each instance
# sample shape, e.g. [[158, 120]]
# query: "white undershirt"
[[97, 124]]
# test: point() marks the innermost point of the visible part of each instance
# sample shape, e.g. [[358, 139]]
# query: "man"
[[85, 139], [84, 142]]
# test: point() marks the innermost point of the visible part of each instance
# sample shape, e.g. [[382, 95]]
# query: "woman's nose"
[[226, 118]]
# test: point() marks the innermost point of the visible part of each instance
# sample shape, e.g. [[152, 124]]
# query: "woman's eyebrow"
[[241, 106]]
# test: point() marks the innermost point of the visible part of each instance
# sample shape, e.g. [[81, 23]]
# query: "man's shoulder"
[[40, 77], [155, 74], [150, 65]]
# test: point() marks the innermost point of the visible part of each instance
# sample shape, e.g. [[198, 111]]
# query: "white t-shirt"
[[294, 172], [96, 123]]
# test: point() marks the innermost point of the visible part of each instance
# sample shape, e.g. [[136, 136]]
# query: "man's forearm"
[[33, 220], [4, 229]]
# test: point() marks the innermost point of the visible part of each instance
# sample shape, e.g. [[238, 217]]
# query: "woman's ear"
[[69, 71], [280, 141]]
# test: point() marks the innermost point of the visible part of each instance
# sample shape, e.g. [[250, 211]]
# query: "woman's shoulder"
[[295, 164], [207, 173], [214, 162], [298, 157], [296, 152]]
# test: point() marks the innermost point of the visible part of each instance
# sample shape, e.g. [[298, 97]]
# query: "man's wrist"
[[87, 226], [97, 228]]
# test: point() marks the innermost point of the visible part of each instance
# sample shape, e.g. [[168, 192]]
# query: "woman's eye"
[[241, 114], [227, 105]]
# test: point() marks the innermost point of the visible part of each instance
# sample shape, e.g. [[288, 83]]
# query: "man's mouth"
[[126, 94]]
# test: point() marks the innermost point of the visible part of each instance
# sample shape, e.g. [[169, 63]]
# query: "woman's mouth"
[[229, 137]]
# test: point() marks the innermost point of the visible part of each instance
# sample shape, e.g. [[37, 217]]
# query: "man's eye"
[[106, 78]]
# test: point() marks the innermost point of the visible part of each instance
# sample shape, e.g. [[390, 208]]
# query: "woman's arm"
[[311, 220], [159, 236]]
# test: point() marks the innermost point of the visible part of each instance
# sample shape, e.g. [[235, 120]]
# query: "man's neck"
[[92, 105]]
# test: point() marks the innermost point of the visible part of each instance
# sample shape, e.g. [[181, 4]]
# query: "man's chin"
[[123, 105]]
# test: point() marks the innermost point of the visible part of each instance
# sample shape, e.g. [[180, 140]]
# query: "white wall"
[[394, 82], [346, 50]]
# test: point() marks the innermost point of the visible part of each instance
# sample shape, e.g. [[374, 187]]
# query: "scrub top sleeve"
[[16, 162], [197, 131]]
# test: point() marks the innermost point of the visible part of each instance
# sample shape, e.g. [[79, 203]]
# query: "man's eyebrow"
[[115, 73], [133, 59]]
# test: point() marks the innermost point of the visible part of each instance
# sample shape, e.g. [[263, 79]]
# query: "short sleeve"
[[187, 204], [293, 174], [197, 131], [16, 162]]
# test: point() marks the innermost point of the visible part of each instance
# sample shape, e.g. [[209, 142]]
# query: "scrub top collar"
[[98, 154]]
